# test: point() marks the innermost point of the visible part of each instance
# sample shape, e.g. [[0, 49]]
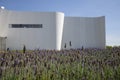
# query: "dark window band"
[[26, 25]]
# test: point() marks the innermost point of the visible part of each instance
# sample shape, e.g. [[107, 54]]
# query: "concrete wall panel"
[[57, 30], [84, 31], [34, 38]]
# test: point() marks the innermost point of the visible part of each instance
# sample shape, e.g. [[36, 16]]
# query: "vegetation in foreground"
[[74, 64]]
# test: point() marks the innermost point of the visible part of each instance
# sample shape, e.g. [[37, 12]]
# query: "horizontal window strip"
[[25, 25]]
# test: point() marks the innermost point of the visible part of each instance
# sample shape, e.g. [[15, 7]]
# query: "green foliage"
[[73, 64], [108, 47]]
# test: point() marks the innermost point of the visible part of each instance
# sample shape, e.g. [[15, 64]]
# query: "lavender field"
[[74, 64]]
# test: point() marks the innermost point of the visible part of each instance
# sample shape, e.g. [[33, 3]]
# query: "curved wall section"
[[84, 32], [34, 38], [57, 32], [59, 29]]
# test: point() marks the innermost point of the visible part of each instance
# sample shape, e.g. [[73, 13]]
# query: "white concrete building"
[[49, 30]]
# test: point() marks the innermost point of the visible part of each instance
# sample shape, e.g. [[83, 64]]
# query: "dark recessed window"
[[25, 25]]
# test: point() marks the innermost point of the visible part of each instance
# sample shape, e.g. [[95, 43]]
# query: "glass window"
[[25, 25]]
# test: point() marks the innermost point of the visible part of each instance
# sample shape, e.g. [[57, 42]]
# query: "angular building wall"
[[84, 31], [55, 31], [47, 37], [3, 22]]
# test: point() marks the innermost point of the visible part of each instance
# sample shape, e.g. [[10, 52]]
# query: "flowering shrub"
[[73, 64]]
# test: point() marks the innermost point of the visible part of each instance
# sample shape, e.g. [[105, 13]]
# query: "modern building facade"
[[49, 30]]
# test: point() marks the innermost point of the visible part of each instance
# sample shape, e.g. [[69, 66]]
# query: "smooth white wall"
[[3, 22], [34, 38], [57, 30], [84, 31]]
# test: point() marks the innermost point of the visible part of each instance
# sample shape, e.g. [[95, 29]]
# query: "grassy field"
[[74, 64]]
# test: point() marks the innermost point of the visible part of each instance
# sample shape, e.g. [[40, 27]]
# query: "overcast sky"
[[82, 8]]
